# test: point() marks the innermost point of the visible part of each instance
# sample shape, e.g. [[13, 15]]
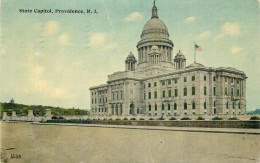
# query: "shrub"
[[93, 119], [98, 119], [233, 118], [117, 119], [254, 118], [151, 119], [141, 119], [110, 119], [172, 118], [160, 118], [125, 119], [185, 118], [133, 119], [88, 119], [200, 118], [216, 118]]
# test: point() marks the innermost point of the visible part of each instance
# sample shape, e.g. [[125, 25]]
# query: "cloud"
[[102, 41], [204, 35], [189, 19], [231, 29], [235, 49], [135, 16], [228, 29], [63, 39], [97, 39], [51, 28]]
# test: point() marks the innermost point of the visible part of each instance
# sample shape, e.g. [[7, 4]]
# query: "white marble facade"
[[159, 85]]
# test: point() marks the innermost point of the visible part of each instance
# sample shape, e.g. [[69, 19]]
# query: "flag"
[[197, 47]]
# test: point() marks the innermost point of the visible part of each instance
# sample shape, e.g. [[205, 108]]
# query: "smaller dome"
[[194, 65], [179, 55], [155, 49], [130, 57]]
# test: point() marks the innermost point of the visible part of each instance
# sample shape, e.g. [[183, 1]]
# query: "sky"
[[53, 59]]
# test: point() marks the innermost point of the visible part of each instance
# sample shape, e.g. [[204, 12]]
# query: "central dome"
[[154, 28]]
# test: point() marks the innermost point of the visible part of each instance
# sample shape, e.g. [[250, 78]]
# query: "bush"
[[110, 119], [200, 118], [254, 118], [216, 118], [151, 119], [141, 119], [98, 119], [125, 119], [161, 118], [133, 119], [172, 118], [93, 119], [117, 119], [185, 118], [88, 119], [233, 118]]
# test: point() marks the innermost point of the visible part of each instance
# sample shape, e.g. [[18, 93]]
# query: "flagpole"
[[194, 53]]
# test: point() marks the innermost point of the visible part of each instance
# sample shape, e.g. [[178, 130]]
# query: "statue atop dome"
[[154, 11]]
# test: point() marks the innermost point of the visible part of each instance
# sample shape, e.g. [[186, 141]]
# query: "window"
[[155, 114], [169, 107], [238, 105], [233, 105], [144, 86], [175, 106], [144, 96], [149, 95], [193, 105], [175, 81], [205, 90], [227, 105], [102, 110], [193, 90], [117, 96], [237, 92], [92, 100], [205, 112], [175, 114], [169, 93], [214, 78], [163, 94], [185, 106], [95, 109], [150, 107], [155, 107], [95, 93], [185, 79], [92, 93], [149, 85], [193, 113], [226, 91], [155, 84], [185, 113], [176, 92], [237, 81], [205, 78], [231, 80], [163, 82], [98, 109], [162, 106], [184, 91], [205, 105], [225, 79], [169, 81], [214, 103], [155, 94], [214, 91], [95, 100], [193, 78]]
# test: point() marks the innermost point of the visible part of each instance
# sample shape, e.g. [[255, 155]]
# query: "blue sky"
[[53, 59]]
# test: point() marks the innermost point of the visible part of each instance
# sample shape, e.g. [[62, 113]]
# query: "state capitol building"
[[156, 84]]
